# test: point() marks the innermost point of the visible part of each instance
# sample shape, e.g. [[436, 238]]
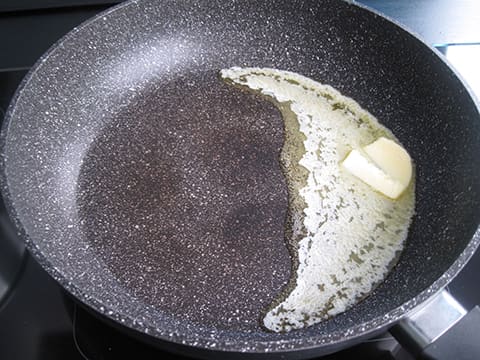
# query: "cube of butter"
[[384, 165]]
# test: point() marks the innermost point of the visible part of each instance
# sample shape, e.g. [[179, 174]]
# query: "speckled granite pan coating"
[[128, 92], [185, 201]]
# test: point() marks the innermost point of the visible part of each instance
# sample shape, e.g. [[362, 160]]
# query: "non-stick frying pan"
[[152, 192]]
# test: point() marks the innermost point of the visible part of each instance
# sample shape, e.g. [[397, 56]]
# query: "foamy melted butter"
[[344, 236]]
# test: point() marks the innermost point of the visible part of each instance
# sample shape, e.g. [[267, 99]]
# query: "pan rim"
[[333, 341]]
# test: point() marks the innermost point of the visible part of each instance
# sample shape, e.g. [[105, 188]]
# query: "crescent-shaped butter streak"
[[344, 237]]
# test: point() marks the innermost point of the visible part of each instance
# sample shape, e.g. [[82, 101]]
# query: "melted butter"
[[344, 237]]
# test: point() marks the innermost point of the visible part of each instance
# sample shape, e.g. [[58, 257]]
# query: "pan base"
[[183, 198]]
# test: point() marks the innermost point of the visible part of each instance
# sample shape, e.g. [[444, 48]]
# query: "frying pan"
[[151, 191]]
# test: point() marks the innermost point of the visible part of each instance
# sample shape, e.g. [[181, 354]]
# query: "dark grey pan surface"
[[152, 192]]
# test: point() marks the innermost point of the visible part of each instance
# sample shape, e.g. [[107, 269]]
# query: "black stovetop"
[[38, 320]]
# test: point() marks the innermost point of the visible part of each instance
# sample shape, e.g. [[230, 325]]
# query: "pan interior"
[[183, 198], [97, 131]]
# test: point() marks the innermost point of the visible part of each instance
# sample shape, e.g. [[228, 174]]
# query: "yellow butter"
[[384, 165]]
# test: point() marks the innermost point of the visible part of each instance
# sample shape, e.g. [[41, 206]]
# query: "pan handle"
[[441, 329]]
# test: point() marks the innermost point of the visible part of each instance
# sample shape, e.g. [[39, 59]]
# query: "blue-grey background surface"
[[436, 21]]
